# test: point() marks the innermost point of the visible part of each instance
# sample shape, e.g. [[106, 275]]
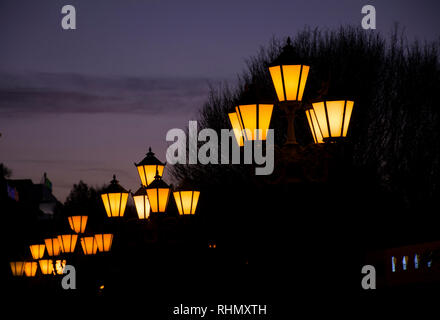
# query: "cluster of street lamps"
[[328, 119], [152, 197]]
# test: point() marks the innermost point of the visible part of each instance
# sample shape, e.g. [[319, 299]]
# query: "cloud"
[[74, 93]]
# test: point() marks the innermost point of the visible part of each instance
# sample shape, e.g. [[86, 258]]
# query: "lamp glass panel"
[[277, 80], [321, 117], [163, 193], [68, 242], [52, 246], [314, 126], [89, 245], [104, 241], [291, 81], [59, 266], [264, 116], [302, 85], [46, 266], [152, 197], [248, 115], [30, 268], [142, 206], [347, 116], [37, 251], [78, 223], [235, 123], [177, 198], [335, 111], [186, 198], [106, 204], [17, 268], [141, 172], [195, 201]]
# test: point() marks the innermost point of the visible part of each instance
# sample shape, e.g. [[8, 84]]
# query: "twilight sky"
[[86, 103]]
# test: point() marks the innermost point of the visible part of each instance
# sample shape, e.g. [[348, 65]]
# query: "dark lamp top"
[[142, 191], [114, 187], [158, 183], [287, 56], [150, 159]]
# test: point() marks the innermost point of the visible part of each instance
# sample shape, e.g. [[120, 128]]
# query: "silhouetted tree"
[[5, 172]]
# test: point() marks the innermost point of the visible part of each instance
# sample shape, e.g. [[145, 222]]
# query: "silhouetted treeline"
[[395, 127]]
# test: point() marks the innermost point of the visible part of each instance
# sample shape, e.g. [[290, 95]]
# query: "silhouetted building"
[[24, 195]]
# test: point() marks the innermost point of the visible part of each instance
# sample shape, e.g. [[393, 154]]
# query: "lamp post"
[[158, 194], [114, 199], [289, 80], [149, 167]]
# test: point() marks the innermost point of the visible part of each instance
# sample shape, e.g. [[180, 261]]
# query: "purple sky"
[[87, 103]]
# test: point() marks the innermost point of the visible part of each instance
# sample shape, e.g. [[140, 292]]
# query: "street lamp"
[[114, 199], [254, 120], [37, 251], [89, 245], [53, 246], [158, 194], [149, 167], [141, 202], [333, 118], [78, 223], [67, 242], [46, 266], [186, 201], [289, 80], [104, 241], [17, 268], [30, 268]]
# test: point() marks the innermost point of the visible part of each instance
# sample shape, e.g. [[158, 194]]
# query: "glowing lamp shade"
[[333, 118], [254, 120], [104, 241], [114, 199], [59, 266], [53, 246], [289, 81], [17, 268], [158, 195], [186, 201], [314, 126], [37, 251], [78, 223], [46, 266], [89, 245], [141, 202], [67, 242], [149, 167], [235, 123], [30, 268]]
